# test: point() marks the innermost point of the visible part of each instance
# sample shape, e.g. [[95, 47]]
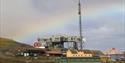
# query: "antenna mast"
[[80, 25]]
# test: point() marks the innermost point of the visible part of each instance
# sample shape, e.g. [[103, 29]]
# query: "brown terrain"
[[8, 50]]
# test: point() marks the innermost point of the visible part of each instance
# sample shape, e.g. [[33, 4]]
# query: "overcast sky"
[[26, 20]]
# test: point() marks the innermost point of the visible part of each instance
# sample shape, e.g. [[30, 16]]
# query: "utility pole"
[[80, 25]]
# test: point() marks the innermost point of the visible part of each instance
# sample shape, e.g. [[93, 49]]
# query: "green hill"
[[8, 49], [5, 43], [8, 45]]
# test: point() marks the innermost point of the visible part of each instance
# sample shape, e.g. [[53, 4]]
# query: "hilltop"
[[9, 45], [6, 44], [8, 48]]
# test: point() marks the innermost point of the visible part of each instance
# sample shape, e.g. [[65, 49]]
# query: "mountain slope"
[[4, 42], [8, 45], [8, 49]]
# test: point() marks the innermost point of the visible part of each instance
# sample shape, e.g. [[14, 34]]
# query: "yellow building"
[[79, 53]]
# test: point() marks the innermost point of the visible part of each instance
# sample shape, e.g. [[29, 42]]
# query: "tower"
[[80, 25]]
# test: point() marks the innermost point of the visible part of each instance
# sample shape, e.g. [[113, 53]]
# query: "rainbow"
[[53, 23]]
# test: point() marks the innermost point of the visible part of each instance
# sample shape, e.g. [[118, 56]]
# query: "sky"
[[103, 21]]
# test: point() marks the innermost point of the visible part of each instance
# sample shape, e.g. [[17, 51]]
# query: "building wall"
[[78, 54]]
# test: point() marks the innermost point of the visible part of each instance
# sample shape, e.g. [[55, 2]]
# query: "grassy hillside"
[[8, 43], [7, 53], [10, 46]]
